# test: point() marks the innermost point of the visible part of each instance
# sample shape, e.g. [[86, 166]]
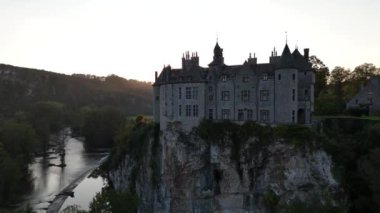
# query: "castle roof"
[[286, 60], [197, 74]]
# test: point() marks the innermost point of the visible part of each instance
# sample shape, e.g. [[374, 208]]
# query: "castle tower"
[[286, 89], [218, 56]]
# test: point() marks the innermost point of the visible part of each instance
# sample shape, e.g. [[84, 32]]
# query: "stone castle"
[[278, 92]]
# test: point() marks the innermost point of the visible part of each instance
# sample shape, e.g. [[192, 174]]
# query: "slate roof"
[[286, 60], [199, 74]]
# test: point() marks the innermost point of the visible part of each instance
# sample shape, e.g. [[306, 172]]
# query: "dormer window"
[[245, 78], [224, 78]]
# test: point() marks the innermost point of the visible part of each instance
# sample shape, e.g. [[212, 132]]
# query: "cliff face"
[[184, 173]]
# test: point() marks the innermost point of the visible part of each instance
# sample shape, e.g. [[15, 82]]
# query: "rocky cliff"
[[181, 172]]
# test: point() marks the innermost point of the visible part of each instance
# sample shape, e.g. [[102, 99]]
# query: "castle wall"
[[225, 104], [266, 104], [247, 105], [285, 103], [156, 104], [178, 107]]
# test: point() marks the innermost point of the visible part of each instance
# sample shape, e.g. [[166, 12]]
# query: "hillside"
[[19, 87]]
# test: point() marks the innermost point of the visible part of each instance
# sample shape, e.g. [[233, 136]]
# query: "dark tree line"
[[333, 89]]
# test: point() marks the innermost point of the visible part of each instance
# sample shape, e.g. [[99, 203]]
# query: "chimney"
[[306, 53], [155, 75]]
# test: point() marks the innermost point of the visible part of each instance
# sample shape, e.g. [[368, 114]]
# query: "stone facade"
[[368, 97], [278, 92]]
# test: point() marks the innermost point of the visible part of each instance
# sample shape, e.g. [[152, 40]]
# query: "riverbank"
[[60, 198]]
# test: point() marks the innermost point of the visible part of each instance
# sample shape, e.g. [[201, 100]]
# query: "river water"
[[50, 180]]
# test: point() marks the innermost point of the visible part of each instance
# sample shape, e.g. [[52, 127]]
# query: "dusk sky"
[[133, 39]]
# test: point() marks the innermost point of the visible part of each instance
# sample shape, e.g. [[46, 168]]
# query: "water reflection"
[[85, 192], [50, 180]]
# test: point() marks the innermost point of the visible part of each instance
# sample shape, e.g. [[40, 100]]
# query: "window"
[[245, 78], [225, 95], [294, 77], [293, 94], [279, 76], [224, 78], [188, 92], [249, 114], [195, 93], [157, 98], [240, 115], [264, 115], [293, 114], [264, 95], [245, 96], [306, 94], [265, 76], [195, 110], [210, 89], [356, 101], [210, 97], [179, 93], [188, 110], [179, 110], [225, 114], [210, 114]]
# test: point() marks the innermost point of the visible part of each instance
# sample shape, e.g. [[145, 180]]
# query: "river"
[[48, 181]]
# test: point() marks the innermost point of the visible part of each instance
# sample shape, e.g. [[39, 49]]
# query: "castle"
[[278, 92]]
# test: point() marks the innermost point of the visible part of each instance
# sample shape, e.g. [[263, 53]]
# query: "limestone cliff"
[[184, 173]]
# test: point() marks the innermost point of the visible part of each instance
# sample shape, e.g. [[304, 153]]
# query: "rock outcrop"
[[184, 173]]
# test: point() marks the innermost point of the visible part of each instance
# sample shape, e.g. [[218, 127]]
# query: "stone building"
[[368, 98], [278, 92]]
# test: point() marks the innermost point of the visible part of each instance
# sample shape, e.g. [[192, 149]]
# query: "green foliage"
[[298, 135], [27, 86], [133, 139], [221, 132], [326, 104], [297, 206], [355, 149], [46, 117], [321, 74], [17, 146], [109, 200], [100, 126], [271, 199], [19, 140]]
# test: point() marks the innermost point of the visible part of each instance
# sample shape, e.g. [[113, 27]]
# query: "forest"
[[36, 104]]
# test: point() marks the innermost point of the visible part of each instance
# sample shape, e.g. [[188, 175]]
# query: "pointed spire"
[[218, 55], [286, 60], [286, 37]]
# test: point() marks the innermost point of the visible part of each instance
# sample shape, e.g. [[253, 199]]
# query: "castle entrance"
[[301, 116]]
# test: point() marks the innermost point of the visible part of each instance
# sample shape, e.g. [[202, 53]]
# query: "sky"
[[135, 38]]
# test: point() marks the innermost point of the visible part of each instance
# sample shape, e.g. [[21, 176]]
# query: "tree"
[[363, 72], [19, 140], [339, 75], [47, 117], [100, 127], [360, 76], [321, 74]]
